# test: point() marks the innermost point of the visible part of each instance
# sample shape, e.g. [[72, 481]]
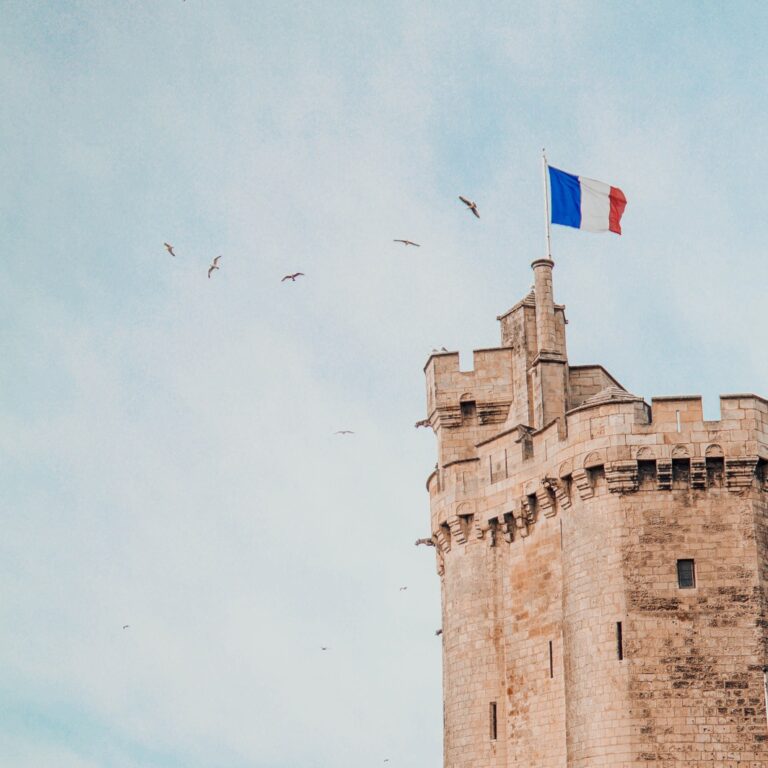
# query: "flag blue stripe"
[[565, 198]]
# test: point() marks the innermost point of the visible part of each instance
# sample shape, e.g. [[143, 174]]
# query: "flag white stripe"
[[595, 205]]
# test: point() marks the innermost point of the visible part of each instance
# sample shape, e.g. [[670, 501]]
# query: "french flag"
[[585, 203]]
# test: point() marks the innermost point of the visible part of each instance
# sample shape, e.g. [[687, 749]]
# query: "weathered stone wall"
[[696, 684]]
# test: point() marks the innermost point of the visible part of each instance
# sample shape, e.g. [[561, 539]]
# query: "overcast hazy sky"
[[166, 450]]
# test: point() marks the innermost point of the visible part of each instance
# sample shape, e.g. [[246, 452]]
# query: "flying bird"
[[344, 432], [292, 277], [407, 243], [213, 266], [470, 204], [169, 248], [439, 632], [323, 647], [125, 626], [402, 589]]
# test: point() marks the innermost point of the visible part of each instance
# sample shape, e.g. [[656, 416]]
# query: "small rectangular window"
[[686, 574], [551, 664], [619, 641], [492, 713]]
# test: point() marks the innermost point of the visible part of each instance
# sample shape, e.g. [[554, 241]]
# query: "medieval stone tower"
[[604, 563]]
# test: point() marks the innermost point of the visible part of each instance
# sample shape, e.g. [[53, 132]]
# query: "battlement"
[[629, 445]]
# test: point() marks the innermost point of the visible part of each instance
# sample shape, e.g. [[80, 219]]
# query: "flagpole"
[[546, 202]]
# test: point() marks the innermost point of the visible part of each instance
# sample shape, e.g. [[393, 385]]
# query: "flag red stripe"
[[618, 204]]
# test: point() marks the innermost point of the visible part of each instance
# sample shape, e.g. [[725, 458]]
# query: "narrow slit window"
[[492, 717], [686, 574], [551, 663], [619, 641]]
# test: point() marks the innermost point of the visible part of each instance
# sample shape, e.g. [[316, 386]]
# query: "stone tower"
[[603, 562]]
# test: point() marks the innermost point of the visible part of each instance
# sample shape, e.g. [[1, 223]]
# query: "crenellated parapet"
[[613, 447]]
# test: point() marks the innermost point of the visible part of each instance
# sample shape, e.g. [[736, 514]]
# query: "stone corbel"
[[740, 473], [698, 472], [545, 499], [621, 476], [457, 530], [664, 474], [443, 540], [581, 481], [557, 487]]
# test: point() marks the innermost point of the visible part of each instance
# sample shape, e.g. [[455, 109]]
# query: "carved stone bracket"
[[493, 413], [581, 481], [457, 529], [557, 486], [698, 472], [507, 525], [621, 476], [740, 472], [443, 540], [527, 513], [664, 474], [545, 499]]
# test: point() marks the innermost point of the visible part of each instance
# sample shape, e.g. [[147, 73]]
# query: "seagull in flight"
[[470, 204], [169, 248], [344, 432], [407, 243], [213, 266], [292, 277]]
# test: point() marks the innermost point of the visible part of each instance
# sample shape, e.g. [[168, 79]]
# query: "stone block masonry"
[[564, 510]]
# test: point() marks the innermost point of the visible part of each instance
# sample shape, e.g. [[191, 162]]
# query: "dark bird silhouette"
[[323, 647], [213, 266], [439, 632], [407, 243], [471, 205], [402, 589], [169, 248], [344, 432], [426, 542], [292, 277], [125, 626], [422, 423]]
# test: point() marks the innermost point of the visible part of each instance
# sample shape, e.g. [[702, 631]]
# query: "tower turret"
[[603, 562]]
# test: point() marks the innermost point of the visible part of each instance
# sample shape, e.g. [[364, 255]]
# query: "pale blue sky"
[[167, 458]]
